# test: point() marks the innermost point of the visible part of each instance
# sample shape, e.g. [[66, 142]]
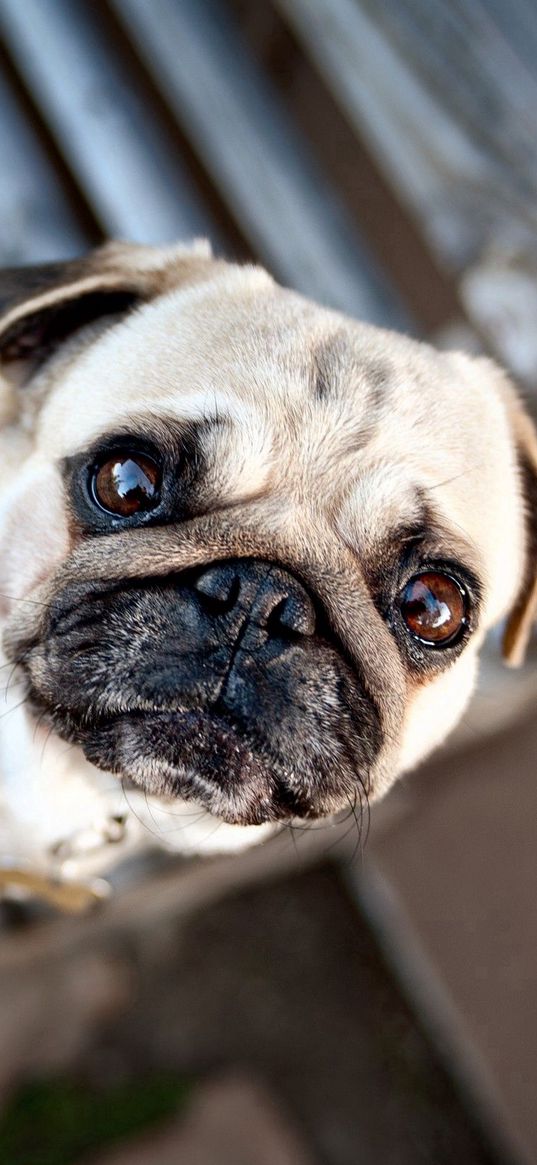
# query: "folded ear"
[[524, 614], [40, 307]]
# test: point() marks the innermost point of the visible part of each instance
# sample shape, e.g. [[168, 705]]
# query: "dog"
[[249, 552]]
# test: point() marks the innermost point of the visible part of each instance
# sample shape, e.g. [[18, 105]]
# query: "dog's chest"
[[54, 806]]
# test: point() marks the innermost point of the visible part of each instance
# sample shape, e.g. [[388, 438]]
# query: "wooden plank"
[[37, 223], [454, 906], [282, 979], [518, 24], [366, 76], [85, 965], [429, 292], [434, 97], [117, 151], [448, 110], [286, 208], [461, 56]]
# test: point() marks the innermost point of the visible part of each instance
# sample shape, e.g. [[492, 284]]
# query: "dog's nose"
[[263, 593]]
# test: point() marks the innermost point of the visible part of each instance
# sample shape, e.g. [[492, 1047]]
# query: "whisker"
[[341, 840], [132, 810], [213, 831], [309, 827], [361, 842], [21, 599], [13, 687], [455, 477], [14, 707], [11, 675], [191, 818], [38, 722], [149, 809], [290, 831], [45, 742], [158, 832], [181, 828]]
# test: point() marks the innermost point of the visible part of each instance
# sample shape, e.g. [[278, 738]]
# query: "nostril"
[[263, 595], [293, 616], [219, 588]]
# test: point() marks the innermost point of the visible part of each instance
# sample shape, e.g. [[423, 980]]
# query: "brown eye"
[[127, 483], [434, 608]]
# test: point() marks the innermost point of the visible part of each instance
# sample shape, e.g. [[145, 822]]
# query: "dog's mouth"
[[242, 771], [198, 755]]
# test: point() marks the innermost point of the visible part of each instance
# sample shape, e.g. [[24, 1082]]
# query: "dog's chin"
[[195, 755]]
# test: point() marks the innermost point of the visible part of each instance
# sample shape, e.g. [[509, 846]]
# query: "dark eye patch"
[[152, 473], [426, 587]]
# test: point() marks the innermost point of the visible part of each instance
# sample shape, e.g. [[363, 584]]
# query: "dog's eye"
[[126, 483], [434, 608]]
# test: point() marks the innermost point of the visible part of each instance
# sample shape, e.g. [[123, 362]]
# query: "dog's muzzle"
[[221, 685]]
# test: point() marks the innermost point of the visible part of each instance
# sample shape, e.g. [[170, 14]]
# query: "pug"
[[249, 553]]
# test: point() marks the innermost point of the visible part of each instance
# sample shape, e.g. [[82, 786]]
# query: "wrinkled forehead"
[[235, 345], [354, 420]]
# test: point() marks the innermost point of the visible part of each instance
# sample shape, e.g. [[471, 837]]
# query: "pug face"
[[249, 548]]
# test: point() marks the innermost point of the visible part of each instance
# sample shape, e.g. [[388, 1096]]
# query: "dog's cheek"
[[34, 535], [434, 708]]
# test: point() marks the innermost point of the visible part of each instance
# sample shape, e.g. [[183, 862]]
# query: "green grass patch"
[[58, 1122]]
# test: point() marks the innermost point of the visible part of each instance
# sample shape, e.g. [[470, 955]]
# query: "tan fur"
[[330, 429], [524, 613]]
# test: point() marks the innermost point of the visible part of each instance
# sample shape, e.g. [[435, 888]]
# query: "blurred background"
[[318, 1000]]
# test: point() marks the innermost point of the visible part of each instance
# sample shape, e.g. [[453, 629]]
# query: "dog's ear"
[[40, 307], [524, 614]]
